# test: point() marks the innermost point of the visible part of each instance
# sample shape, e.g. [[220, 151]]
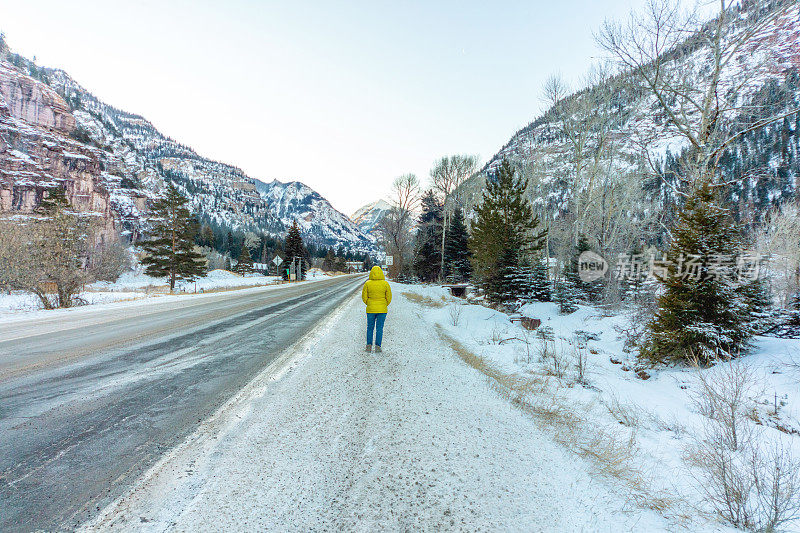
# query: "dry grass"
[[426, 301], [611, 454], [626, 415]]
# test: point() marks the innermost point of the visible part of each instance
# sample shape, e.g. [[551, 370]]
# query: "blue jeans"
[[374, 319]]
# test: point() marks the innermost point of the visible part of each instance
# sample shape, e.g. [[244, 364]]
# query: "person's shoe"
[[368, 348], [378, 349]]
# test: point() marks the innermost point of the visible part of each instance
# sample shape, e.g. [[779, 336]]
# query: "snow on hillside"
[[318, 220], [223, 193], [632, 115], [140, 159], [128, 161], [649, 419], [369, 216]]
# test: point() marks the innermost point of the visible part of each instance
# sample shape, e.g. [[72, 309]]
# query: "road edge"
[[169, 468]]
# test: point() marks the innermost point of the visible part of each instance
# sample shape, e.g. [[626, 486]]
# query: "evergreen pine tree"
[[295, 250], [244, 265], [584, 290], [566, 294], [55, 201], [704, 311], [329, 263], [229, 244], [456, 250], [504, 235], [540, 287], [505, 284], [520, 281], [171, 250], [206, 236], [428, 258]]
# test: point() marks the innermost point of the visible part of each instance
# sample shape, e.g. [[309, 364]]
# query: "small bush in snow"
[[580, 354], [545, 333], [750, 483], [454, 311], [625, 414], [498, 336], [555, 360], [725, 394], [527, 338]]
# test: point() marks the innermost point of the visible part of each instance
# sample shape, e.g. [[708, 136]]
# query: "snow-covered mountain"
[[620, 113], [318, 220], [369, 216], [112, 162]]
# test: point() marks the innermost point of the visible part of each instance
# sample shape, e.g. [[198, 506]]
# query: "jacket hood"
[[376, 273]]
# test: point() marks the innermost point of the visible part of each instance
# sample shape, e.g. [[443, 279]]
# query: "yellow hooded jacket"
[[376, 292]]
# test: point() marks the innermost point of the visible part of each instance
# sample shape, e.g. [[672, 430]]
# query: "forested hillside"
[[607, 162]]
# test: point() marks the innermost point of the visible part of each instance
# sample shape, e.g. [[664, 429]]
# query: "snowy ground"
[[656, 418], [136, 286], [412, 439]]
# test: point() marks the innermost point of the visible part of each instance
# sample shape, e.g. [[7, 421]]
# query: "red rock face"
[[36, 152], [34, 102], [781, 39]]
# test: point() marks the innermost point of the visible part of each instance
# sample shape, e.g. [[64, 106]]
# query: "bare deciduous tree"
[[702, 101], [53, 257], [396, 226], [107, 261], [447, 176], [251, 240], [751, 482], [47, 253], [779, 244], [598, 195]]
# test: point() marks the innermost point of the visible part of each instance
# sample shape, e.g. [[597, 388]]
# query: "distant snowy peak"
[[368, 217], [318, 220]]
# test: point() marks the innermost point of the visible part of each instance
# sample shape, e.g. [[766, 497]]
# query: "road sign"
[[389, 260], [277, 260]]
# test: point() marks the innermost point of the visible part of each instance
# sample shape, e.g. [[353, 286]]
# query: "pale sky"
[[343, 96]]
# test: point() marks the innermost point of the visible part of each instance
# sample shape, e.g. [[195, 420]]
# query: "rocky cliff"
[[37, 153], [34, 102]]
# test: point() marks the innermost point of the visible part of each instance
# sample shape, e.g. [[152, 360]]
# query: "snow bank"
[[658, 413], [135, 286]]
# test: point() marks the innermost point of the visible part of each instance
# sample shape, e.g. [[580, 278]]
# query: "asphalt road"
[[90, 399]]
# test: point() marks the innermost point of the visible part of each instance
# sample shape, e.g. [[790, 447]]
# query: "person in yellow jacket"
[[377, 295]]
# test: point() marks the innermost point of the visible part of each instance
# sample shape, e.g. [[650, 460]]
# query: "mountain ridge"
[[133, 161], [541, 151]]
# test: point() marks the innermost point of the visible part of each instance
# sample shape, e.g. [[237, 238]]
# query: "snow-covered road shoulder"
[[643, 429], [411, 439], [139, 290]]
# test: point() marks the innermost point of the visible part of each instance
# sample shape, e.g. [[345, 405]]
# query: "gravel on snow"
[[410, 439]]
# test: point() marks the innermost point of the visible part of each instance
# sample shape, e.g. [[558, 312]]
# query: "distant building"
[[354, 266]]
